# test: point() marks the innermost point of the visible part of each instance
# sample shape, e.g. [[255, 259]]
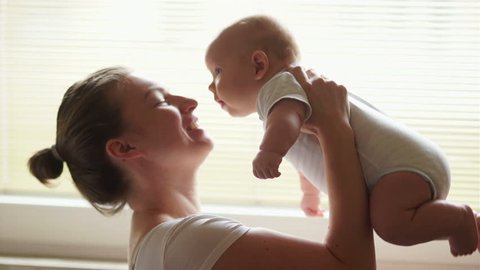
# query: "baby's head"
[[244, 56]]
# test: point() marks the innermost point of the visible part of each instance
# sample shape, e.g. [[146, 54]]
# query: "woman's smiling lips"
[[190, 123], [193, 130]]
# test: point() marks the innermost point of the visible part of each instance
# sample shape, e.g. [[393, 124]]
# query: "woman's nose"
[[188, 105]]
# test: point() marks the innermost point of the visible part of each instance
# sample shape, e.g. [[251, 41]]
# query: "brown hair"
[[88, 116], [266, 33]]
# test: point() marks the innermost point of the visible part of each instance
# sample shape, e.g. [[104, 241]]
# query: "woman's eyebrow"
[[153, 90]]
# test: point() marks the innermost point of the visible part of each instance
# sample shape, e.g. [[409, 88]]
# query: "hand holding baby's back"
[[328, 101]]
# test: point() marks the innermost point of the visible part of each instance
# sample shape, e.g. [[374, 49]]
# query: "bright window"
[[418, 61]]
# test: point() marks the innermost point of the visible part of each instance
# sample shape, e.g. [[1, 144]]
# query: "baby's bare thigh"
[[398, 192]]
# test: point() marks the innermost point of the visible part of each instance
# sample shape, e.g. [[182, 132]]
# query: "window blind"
[[418, 61]]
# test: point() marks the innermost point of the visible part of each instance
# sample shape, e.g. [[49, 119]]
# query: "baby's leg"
[[403, 213]]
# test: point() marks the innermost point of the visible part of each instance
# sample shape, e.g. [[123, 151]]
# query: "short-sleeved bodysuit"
[[384, 145], [193, 242]]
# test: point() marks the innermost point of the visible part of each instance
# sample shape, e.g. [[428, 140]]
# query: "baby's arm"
[[281, 131], [310, 203]]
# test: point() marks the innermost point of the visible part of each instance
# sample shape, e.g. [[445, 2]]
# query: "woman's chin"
[[200, 136], [201, 155]]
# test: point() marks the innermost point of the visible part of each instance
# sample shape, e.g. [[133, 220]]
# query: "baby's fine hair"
[[266, 33], [88, 116]]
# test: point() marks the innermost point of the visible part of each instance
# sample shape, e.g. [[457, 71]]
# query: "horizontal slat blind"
[[419, 61]]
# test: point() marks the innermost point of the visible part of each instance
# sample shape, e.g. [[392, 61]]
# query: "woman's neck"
[[179, 206], [170, 202], [163, 190], [174, 196], [160, 200]]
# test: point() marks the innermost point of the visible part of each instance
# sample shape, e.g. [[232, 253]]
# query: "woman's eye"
[[162, 102]]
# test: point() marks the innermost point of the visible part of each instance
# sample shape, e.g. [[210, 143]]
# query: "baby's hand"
[[311, 205], [265, 164]]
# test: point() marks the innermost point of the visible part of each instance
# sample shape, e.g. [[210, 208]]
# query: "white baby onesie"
[[384, 145]]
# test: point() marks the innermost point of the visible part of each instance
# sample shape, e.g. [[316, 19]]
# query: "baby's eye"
[[217, 71]]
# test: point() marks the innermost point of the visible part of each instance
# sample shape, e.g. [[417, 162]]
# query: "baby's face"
[[233, 85]]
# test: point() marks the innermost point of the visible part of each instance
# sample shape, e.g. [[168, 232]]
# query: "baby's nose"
[[211, 87]]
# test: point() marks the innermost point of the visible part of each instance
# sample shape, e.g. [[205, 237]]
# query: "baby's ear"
[[260, 61], [120, 149]]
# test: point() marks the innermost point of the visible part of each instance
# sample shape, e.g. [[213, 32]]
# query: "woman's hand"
[[328, 100]]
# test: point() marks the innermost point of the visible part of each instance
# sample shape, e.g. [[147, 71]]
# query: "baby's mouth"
[[221, 103]]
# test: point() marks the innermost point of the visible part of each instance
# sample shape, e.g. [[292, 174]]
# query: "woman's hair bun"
[[45, 165]]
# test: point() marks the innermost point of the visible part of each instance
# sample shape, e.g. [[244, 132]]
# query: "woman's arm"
[[350, 237], [349, 242]]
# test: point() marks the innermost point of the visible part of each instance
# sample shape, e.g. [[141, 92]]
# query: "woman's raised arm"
[[349, 242]]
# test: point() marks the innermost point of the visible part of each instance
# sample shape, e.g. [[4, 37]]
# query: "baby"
[[407, 175]]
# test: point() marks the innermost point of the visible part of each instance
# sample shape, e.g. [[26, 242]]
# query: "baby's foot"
[[465, 241]]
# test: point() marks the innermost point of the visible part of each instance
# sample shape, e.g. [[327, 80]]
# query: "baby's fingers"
[[266, 173], [258, 174], [274, 173]]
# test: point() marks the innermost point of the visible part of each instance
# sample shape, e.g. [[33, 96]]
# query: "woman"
[[127, 140]]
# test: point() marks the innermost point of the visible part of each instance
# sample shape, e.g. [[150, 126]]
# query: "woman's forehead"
[[145, 84]]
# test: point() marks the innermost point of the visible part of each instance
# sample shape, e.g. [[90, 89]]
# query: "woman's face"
[[161, 126]]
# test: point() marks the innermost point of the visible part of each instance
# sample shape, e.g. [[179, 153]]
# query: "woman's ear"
[[260, 61], [120, 149]]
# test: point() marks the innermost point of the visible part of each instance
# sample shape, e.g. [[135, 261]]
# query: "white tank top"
[[193, 242]]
